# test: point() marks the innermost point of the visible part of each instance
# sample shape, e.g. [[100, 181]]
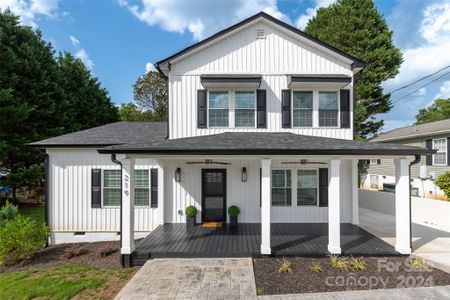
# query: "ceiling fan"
[[304, 162], [207, 162]]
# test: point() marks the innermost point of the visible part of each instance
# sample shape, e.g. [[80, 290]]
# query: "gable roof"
[[264, 143], [415, 131], [165, 63], [110, 134]]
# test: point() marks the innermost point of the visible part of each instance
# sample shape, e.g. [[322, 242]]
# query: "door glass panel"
[[213, 196]]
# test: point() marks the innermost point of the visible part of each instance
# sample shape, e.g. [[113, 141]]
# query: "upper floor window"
[[302, 109], [244, 113], [281, 188], [328, 109], [440, 157], [218, 106]]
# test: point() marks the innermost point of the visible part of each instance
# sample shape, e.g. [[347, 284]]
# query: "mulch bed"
[[381, 273], [81, 253]]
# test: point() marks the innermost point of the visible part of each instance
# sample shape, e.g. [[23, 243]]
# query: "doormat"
[[212, 224]]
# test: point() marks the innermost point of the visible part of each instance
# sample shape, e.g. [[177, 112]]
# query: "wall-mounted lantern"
[[178, 175], [244, 174]]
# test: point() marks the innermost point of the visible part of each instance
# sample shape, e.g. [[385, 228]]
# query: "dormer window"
[[218, 106], [244, 113]]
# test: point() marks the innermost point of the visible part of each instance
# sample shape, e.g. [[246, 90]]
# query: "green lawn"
[[36, 212], [63, 282]]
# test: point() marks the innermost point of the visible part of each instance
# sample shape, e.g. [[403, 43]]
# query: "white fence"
[[424, 210]]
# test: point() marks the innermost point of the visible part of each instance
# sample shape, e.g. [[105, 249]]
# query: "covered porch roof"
[[263, 143]]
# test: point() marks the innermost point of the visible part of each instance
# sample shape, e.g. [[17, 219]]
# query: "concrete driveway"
[[429, 243], [206, 278]]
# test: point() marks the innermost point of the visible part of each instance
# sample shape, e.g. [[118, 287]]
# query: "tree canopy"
[[130, 112], [358, 28], [439, 110], [41, 96], [150, 93]]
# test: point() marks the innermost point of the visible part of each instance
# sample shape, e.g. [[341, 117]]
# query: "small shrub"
[[285, 266], [316, 267], [234, 211], [340, 263], [107, 251], [191, 211], [75, 251], [8, 213], [418, 263], [19, 238], [443, 182], [358, 264]]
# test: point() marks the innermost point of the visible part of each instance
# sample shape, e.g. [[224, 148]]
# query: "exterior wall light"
[[244, 174], [178, 175]]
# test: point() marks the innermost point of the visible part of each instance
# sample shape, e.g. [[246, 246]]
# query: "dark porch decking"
[[287, 239]]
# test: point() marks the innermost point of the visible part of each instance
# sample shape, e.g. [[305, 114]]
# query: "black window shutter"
[[154, 187], [323, 187], [429, 145], [201, 109], [345, 108], [261, 109], [96, 186], [286, 108], [448, 151]]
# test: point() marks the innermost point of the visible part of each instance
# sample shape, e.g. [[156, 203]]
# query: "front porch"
[[287, 239]]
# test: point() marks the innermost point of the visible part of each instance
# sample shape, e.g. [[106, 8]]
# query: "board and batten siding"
[[246, 195], [274, 57], [69, 206]]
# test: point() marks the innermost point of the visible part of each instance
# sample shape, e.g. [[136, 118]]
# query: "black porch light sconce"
[[244, 174], [178, 175]]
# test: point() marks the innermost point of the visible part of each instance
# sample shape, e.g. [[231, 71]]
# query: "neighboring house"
[[433, 135], [260, 116]]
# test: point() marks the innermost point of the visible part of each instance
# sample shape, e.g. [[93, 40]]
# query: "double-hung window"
[[307, 183], [218, 107], [141, 188], [302, 109], [111, 187], [440, 157], [281, 188], [328, 109], [244, 112]]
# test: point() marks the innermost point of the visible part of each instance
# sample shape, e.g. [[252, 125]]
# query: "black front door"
[[214, 195]]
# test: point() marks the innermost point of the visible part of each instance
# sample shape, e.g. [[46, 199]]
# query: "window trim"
[[233, 110], [338, 122], [292, 107], [271, 187], [317, 187], [446, 151], [149, 189], [103, 187], [228, 91]]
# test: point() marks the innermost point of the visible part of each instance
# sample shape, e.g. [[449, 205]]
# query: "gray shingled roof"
[[247, 143], [110, 134], [427, 129]]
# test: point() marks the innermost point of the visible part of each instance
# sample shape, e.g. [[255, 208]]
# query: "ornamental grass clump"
[[358, 264], [285, 266], [316, 267], [340, 263], [418, 263]]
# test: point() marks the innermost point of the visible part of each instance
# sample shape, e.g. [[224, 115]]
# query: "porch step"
[[139, 258]]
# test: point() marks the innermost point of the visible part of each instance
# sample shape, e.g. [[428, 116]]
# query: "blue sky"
[[118, 39]]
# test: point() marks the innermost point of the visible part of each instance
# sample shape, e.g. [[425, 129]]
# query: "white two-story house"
[[261, 117]]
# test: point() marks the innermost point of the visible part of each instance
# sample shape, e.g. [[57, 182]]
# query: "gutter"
[[114, 160], [414, 162]]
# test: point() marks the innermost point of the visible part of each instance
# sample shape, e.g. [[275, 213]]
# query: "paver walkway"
[[215, 278]]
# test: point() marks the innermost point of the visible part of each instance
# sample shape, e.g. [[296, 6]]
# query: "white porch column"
[[402, 206], [334, 207], [161, 192], [127, 246], [355, 195], [266, 199]]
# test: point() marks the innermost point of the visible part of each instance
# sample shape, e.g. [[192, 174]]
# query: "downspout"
[[114, 160], [414, 162]]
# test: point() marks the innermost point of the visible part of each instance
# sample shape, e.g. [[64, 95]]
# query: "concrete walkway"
[[217, 278], [429, 243]]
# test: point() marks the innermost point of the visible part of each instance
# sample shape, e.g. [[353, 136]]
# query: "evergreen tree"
[[439, 110], [358, 28]]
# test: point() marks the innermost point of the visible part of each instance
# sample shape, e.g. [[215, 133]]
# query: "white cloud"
[[30, 10], [444, 90], [421, 92], [82, 54], [149, 67], [201, 19], [74, 40], [310, 12]]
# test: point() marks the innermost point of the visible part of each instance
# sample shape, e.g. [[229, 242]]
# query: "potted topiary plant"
[[191, 213], [234, 212]]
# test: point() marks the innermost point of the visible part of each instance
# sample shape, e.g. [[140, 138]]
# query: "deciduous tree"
[[439, 110], [150, 93]]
